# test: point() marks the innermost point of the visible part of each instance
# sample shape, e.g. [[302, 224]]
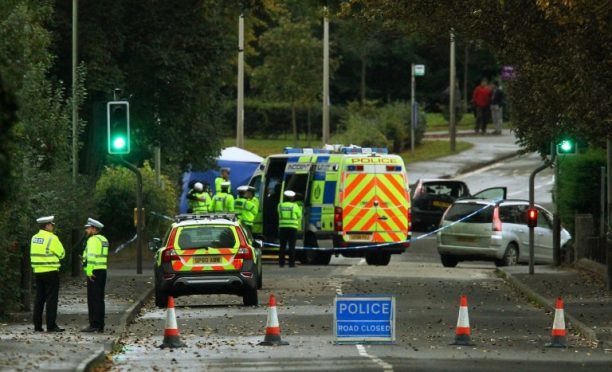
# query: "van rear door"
[[391, 201], [359, 215]]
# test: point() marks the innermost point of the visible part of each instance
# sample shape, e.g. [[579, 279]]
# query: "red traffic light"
[[532, 217]]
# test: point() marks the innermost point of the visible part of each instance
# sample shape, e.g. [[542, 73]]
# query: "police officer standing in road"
[[46, 251], [225, 173], [240, 201], [250, 210], [95, 265], [289, 221], [223, 201], [199, 200]]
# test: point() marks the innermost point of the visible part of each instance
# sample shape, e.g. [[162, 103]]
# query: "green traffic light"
[[566, 146], [119, 143]]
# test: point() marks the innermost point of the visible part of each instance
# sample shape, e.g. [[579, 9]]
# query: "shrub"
[[579, 184], [115, 199]]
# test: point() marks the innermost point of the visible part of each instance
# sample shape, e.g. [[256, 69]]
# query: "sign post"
[[416, 70], [364, 319]]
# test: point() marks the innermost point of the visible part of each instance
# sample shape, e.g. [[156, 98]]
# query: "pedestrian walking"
[[199, 200], [46, 251], [481, 98], [95, 258], [223, 201], [224, 177], [497, 107], [289, 221]]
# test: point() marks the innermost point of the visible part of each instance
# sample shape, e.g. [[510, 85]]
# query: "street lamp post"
[[451, 95], [240, 103], [325, 125], [75, 104]]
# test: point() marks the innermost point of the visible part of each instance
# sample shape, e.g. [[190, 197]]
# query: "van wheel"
[[323, 258], [249, 297], [510, 257], [449, 261], [161, 298]]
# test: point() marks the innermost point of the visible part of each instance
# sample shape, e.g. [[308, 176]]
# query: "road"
[[509, 332]]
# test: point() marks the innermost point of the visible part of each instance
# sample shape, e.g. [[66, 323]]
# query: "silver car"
[[494, 230]]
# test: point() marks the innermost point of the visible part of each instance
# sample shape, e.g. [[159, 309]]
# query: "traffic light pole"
[[139, 213], [546, 164]]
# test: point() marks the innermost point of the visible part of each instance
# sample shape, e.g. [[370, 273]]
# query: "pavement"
[[588, 304]]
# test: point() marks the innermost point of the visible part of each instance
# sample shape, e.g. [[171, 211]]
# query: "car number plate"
[[466, 239], [359, 236], [207, 260], [440, 204]]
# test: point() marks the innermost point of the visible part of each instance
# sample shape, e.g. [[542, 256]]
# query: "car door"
[[543, 242], [494, 193], [514, 224]]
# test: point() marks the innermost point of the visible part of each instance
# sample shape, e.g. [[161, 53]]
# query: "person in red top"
[[482, 101]]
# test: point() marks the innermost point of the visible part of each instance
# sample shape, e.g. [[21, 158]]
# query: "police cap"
[[94, 223], [45, 220]]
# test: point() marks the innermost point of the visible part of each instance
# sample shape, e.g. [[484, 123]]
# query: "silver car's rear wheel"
[[510, 257]]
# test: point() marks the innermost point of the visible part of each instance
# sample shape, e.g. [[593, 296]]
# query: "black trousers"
[[95, 299], [287, 236], [47, 291]]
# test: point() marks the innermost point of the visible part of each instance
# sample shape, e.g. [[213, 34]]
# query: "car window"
[[516, 214], [205, 236], [460, 211], [543, 220], [454, 189]]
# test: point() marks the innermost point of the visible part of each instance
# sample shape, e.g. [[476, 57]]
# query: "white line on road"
[[385, 366]]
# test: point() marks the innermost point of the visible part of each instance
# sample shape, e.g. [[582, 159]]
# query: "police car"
[[207, 254]]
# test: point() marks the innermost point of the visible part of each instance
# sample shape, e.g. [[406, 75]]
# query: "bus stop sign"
[[364, 319]]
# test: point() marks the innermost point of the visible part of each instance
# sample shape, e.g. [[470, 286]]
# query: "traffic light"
[[566, 147], [532, 217], [118, 127]]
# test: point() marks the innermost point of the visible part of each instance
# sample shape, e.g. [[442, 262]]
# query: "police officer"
[[95, 264], [199, 200], [223, 201], [224, 177], [250, 210], [240, 201], [289, 221], [46, 251]]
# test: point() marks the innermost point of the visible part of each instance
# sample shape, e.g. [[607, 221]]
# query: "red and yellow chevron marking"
[[388, 220], [187, 257]]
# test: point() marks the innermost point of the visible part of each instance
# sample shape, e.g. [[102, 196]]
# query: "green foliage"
[[115, 198], [388, 126], [579, 185]]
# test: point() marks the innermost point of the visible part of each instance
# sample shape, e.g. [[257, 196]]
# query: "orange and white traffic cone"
[[273, 337], [462, 334], [558, 329], [172, 339]]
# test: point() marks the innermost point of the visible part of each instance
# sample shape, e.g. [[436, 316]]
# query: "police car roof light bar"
[[206, 216]]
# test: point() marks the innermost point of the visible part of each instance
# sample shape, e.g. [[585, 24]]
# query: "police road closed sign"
[[364, 319]]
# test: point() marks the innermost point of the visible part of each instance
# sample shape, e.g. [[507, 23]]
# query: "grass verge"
[[429, 150]]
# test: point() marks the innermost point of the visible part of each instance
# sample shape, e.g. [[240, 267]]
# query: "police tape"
[[379, 245]]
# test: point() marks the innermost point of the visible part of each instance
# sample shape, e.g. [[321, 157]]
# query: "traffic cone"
[[558, 329], [172, 338], [462, 334], [273, 337]]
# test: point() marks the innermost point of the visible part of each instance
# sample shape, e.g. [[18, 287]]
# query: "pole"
[[546, 164], [466, 60], [139, 214], [75, 104], [602, 206], [157, 165], [609, 232], [556, 216], [451, 94], [240, 103], [326, 131], [412, 100]]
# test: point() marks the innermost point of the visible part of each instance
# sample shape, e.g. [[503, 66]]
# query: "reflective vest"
[[223, 202], [202, 204], [95, 254], [239, 205], [249, 212], [218, 182], [289, 215], [46, 251]]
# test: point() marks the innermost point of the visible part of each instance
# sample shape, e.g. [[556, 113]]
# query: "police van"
[[354, 197]]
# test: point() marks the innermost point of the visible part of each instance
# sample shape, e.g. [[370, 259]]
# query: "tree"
[[559, 48], [292, 68]]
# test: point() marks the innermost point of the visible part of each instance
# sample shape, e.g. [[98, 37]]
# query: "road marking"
[[385, 366]]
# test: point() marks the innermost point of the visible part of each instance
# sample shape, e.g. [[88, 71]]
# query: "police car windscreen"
[[478, 213], [206, 237]]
